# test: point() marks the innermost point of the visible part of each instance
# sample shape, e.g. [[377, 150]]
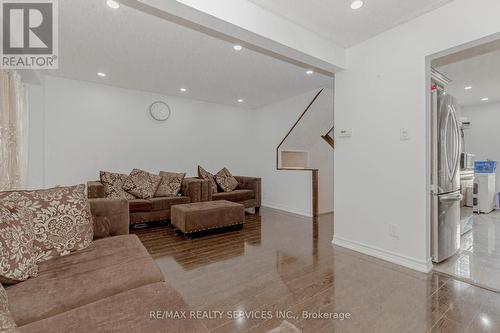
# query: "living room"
[[170, 168]]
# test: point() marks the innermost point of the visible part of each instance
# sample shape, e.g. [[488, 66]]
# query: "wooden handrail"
[[328, 138], [294, 125]]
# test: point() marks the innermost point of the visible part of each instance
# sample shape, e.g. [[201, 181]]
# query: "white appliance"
[[484, 192], [446, 196], [466, 189]]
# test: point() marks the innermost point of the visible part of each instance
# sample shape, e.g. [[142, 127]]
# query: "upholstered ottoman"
[[200, 216]]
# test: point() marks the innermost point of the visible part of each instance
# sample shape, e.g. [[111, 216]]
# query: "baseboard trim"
[[408, 262], [286, 209]]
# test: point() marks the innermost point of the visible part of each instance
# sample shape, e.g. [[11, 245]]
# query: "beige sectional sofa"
[[248, 193], [157, 208], [111, 286]]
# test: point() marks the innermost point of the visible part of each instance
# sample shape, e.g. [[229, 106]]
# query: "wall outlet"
[[393, 231]]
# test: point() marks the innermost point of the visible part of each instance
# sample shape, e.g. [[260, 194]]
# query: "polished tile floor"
[[478, 261], [284, 262]]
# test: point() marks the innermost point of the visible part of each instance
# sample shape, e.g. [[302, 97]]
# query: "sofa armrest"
[[110, 216], [206, 188], [95, 189], [191, 187], [251, 183]]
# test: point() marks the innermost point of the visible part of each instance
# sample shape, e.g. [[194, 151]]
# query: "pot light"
[[356, 4], [310, 72], [240, 100], [112, 4], [238, 47], [468, 88], [183, 89], [485, 99], [101, 74]]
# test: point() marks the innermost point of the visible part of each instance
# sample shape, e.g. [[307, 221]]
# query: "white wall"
[[79, 128], [91, 127], [483, 138], [380, 180]]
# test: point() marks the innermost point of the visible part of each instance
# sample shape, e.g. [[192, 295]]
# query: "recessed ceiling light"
[[485, 99], [101, 74], [183, 89], [310, 72], [112, 4], [240, 100], [468, 88], [356, 4], [238, 47]]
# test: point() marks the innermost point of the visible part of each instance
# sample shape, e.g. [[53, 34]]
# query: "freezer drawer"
[[446, 232]]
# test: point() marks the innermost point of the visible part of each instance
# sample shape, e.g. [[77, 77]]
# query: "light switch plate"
[[345, 133], [404, 134]]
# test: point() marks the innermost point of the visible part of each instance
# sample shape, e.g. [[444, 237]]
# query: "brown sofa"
[[248, 193], [156, 209], [111, 286]]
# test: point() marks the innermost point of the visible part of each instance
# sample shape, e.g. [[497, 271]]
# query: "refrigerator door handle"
[[451, 197]]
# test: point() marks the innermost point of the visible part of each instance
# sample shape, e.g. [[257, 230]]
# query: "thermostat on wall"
[[345, 133]]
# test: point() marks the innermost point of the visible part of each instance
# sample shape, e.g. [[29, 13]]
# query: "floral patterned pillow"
[[7, 323], [204, 174], [170, 184], [18, 258], [59, 217], [226, 180], [113, 183], [141, 184]]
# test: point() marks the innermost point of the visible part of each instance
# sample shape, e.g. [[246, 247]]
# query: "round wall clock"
[[159, 111]]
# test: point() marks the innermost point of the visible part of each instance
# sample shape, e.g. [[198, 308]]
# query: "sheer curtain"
[[13, 131]]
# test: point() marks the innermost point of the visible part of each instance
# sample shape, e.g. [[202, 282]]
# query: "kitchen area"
[[465, 135]]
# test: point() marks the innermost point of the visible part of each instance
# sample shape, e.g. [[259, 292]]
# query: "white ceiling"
[[335, 20], [142, 52], [481, 72]]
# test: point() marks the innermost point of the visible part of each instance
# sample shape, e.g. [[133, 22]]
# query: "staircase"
[[303, 147]]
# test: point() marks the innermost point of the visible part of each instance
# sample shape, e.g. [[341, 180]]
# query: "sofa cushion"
[[140, 205], [204, 174], [113, 183], [170, 184], [236, 195], [7, 323], [226, 180], [18, 258], [141, 183], [107, 267], [140, 310], [61, 219], [166, 203]]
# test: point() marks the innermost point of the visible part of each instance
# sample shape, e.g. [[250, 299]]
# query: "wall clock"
[[159, 111]]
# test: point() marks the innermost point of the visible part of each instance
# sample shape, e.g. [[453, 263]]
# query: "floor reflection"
[[285, 262], [479, 258]]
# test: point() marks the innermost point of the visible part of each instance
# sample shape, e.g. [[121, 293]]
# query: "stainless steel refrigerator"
[[446, 195]]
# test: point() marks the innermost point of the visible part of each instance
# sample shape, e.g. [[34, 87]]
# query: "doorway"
[[465, 148]]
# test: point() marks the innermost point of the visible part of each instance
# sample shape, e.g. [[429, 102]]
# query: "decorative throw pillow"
[[18, 258], [113, 183], [170, 184], [226, 180], [142, 184], [60, 218], [7, 323], [204, 174]]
